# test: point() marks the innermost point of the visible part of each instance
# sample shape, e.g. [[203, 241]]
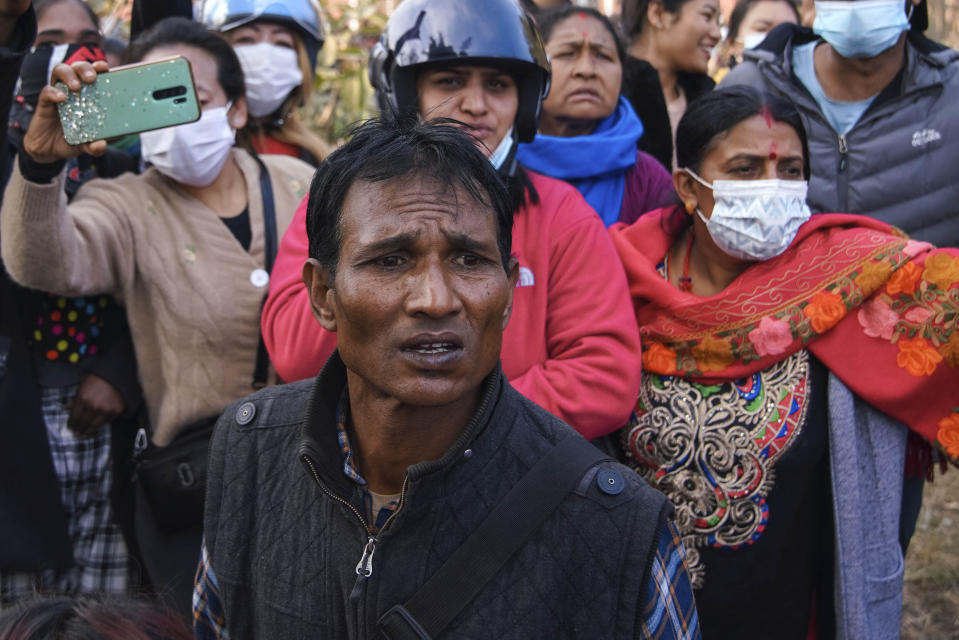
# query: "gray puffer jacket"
[[900, 162], [284, 535]]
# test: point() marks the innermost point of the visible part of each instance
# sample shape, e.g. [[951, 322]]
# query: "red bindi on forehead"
[[772, 151]]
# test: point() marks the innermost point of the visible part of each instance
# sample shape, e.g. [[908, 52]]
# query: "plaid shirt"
[[83, 471], [670, 610], [669, 613], [349, 468]]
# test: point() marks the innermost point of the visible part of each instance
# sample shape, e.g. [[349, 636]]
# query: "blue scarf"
[[596, 164]]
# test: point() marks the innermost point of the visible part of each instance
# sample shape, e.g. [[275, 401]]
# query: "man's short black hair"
[[386, 150]]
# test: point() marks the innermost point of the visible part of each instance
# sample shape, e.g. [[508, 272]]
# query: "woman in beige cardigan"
[[162, 246], [181, 246]]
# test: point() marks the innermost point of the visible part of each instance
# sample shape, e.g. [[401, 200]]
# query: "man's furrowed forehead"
[[408, 194], [374, 210]]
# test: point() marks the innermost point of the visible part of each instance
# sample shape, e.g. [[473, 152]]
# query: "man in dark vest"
[[408, 491]]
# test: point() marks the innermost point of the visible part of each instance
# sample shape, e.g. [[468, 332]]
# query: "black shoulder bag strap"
[[262, 370], [501, 534]]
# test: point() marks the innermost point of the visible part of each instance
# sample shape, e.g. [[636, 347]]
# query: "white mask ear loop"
[[692, 174], [502, 150], [229, 105]]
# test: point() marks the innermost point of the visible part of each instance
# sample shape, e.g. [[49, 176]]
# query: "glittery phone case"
[[130, 99]]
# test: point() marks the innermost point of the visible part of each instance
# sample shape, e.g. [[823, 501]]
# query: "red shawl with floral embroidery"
[[879, 310]]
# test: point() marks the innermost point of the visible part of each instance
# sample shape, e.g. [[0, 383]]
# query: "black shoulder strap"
[[269, 217], [501, 534], [262, 370]]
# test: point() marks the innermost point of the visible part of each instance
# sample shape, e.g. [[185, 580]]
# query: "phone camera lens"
[[170, 92]]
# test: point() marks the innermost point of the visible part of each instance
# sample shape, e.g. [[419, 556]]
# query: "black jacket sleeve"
[[11, 55]]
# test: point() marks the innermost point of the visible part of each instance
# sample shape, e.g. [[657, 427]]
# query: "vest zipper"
[[364, 568]]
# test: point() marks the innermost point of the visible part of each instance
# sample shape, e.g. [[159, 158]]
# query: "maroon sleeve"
[[649, 186]]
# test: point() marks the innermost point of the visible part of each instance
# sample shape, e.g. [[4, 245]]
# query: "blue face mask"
[[860, 28]]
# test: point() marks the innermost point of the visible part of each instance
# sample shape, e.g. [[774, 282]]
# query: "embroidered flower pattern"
[[950, 350], [659, 358], [713, 354], [941, 270], [873, 275], [904, 280], [914, 247], [914, 305], [918, 310], [771, 337], [917, 356], [917, 315], [902, 294], [824, 311], [948, 435], [877, 319]]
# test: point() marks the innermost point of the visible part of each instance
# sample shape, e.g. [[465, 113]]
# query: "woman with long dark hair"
[[670, 43], [787, 359]]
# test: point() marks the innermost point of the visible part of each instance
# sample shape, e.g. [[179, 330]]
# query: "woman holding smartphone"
[[183, 245]]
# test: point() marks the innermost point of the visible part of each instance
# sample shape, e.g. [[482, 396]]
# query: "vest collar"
[[319, 444]]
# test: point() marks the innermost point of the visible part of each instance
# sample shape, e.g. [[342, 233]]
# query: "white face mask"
[[271, 72], [753, 40], [192, 153], [755, 219], [499, 155]]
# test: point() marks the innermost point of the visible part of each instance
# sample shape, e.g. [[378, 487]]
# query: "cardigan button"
[[610, 481], [244, 415], [259, 278]]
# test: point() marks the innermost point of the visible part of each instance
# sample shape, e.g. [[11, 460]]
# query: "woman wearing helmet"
[[277, 44], [568, 346]]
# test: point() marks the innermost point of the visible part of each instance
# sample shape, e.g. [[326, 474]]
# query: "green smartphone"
[[130, 99]]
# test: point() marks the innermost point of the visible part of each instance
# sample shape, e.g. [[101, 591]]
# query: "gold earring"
[[690, 207]]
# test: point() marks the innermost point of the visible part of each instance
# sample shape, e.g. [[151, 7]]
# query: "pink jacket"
[[572, 344]]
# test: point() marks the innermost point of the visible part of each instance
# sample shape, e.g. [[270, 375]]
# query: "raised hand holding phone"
[[95, 106], [44, 141], [131, 99]]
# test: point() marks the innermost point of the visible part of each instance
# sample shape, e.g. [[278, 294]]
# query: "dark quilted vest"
[[285, 551]]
